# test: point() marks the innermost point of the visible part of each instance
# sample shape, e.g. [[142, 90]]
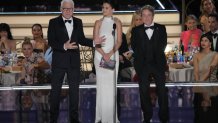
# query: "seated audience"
[[33, 73], [8, 98], [207, 7], [213, 24], [205, 99], [136, 21], [126, 71], [39, 44], [33, 65], [191, 37], [125, 65], [7, 44]]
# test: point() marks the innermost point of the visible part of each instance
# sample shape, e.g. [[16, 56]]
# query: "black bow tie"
[[69, 21], [149, 27], [215, 35]]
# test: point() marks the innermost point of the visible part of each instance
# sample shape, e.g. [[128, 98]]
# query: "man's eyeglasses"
[[67, 9]]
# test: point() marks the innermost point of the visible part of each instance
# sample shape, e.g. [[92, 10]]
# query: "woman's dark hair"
[[209, 37], [215, 16], [39, 25], [111, 2], [6, 27]]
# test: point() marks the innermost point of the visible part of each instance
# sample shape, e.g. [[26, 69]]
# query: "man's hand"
[[99, 40], [69, 45]]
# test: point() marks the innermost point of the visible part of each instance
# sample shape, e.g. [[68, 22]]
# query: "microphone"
[[114, 27]]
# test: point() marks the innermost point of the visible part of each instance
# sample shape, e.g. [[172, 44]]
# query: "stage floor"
[[180, 103]]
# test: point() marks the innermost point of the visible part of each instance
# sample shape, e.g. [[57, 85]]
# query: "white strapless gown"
[[105, 78]]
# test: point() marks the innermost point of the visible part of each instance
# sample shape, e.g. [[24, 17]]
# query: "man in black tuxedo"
[[148, 43], [213, 23], [65, 33]]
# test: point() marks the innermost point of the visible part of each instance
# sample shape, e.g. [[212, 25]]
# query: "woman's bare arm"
[[96, 35]]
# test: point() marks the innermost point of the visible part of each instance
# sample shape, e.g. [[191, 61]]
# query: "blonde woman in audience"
[[207, 7], [38, 42], [191, 37], [206, 98], [136, 20], [7, 44], [30, 63], [33, 69]]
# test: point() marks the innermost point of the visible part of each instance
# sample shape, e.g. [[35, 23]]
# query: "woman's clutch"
[[107, 64]]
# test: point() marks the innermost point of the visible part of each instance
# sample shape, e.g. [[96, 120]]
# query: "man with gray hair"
[[148, 42], [65, 33]]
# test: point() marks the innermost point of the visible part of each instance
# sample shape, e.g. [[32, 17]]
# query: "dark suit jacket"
[[57, 36], [124, 48], [139, 43], [216, 48]]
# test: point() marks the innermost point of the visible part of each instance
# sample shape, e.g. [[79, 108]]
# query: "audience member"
[[125, 65], [191, 37], [207, 7], [136, 20], [39, 44], [33, 70], [205, 99], [213, 24], [32, 64], [40, 97], [7, 44]]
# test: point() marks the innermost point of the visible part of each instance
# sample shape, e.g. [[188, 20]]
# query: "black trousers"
[[73, 77], [144, 85]]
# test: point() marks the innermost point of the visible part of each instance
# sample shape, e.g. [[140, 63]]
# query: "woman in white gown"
[[106, 82]]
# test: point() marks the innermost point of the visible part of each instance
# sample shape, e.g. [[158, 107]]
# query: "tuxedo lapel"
[[216, 48], [75, 25], [63, 28], [144, 36], [155, 33]]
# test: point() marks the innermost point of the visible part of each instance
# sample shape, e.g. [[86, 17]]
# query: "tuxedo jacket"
[[57, 36], [140, 43], [216, 48]]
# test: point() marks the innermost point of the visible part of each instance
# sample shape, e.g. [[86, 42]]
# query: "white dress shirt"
[[69, 26], [149, 32]]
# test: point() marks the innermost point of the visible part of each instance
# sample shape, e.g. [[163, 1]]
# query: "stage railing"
[[119, 85]]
